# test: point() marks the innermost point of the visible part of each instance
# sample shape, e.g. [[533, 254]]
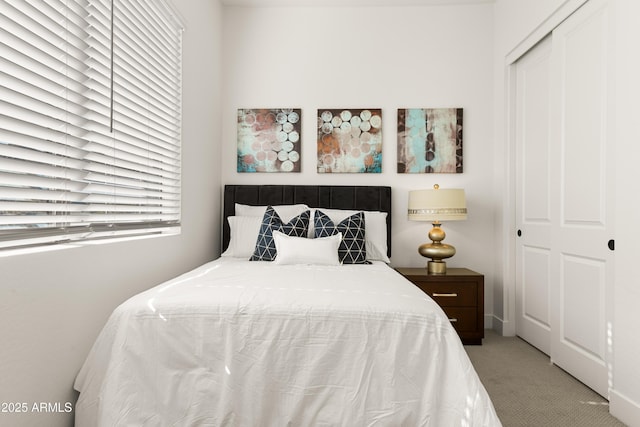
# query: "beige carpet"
[[527, 390]]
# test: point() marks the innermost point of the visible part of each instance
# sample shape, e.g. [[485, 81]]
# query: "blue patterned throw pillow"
[[265, 246], [352, 249]]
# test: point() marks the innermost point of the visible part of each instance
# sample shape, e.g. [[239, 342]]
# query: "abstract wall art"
[[350, 140], [269, 140], [430, 140]]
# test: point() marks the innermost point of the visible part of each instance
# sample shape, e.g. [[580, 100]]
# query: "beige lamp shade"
[[437, 205]]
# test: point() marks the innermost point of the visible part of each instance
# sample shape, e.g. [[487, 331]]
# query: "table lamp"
[[437, 205]]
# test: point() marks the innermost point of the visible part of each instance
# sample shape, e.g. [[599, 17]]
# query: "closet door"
[[582, 129], [533, 208], [564, 196]]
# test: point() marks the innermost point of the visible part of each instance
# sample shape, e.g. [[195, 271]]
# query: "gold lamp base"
[[437, 251], [437, 267]]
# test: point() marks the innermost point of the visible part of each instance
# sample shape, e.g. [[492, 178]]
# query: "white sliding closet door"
[[533, 212], [582, 118], [564, 201]]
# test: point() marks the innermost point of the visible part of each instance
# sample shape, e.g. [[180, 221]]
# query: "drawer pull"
[[453, 320], [453, 294]]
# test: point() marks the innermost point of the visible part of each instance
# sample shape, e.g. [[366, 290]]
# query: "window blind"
[[90, 119]]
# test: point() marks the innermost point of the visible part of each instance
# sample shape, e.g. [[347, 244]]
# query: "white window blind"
[[90, 119]]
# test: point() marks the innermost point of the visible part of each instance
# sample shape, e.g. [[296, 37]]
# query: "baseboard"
[[624, 409], [502, 327]]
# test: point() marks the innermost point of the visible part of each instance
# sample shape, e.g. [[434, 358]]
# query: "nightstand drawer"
[[460, 294], [463, 319], [456, 294]]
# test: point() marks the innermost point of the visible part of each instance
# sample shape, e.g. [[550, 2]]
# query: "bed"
[[308, 338]]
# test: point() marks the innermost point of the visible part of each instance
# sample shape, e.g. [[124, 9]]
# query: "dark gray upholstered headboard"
[[369, 198]]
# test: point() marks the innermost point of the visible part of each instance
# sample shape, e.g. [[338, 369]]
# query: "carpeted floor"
[[527, 390]]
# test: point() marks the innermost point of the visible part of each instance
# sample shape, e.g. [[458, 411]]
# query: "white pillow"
[[243, 236], [300, 250], [285, 212], [375, 223]]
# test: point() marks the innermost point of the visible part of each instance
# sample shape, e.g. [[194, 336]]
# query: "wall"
[[518, 24], [53, 304], [372, 57], [625, 396]]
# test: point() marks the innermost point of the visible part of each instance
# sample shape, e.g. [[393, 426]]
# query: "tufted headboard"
[[369, 198]]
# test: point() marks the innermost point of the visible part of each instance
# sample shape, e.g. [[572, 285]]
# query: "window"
[[90, 120]]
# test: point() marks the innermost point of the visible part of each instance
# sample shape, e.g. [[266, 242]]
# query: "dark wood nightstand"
[[460, 293]]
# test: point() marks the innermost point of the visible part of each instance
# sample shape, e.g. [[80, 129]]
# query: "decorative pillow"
[[243, 235], [265, 249], [375, 231], [301, 250], [352, 248], [286, 212]]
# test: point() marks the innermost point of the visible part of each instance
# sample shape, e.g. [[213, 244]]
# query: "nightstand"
[[460, 293]]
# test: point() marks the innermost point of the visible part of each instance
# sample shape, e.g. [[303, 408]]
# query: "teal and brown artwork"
[[269, 139], [430, 140]]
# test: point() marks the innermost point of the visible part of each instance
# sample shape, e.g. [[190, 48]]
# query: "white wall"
[[372, 57], [518, 23], [625, 397], [53, 304]]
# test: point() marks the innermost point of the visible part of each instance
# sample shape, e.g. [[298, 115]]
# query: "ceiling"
[[351, 3]]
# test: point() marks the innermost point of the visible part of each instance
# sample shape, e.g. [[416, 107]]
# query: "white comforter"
[[238, 343]]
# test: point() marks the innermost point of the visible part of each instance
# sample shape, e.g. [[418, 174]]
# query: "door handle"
[[612, 244], [519, 233]]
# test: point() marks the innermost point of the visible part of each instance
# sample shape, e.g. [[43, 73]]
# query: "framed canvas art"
[[430, 140], [269, 140], [350, 140]]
